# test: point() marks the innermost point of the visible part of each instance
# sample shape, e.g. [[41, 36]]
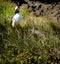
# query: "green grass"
[[22, 45], [6, 9]]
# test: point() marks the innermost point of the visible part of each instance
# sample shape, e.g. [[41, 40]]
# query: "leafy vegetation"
[[36, 40]]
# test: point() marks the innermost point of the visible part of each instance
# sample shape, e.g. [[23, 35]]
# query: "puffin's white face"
[[16, 8]]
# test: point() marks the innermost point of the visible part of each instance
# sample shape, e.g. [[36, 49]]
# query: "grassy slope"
[[22, 44]]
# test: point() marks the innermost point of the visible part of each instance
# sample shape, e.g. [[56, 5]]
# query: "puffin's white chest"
[[16, 18]]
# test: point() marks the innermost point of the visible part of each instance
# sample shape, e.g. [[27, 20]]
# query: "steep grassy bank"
[[36, 40]]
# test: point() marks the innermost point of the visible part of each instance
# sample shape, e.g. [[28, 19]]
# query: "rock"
[[48, 8]]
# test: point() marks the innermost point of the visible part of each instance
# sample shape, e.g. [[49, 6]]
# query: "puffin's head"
[[16, 9]]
